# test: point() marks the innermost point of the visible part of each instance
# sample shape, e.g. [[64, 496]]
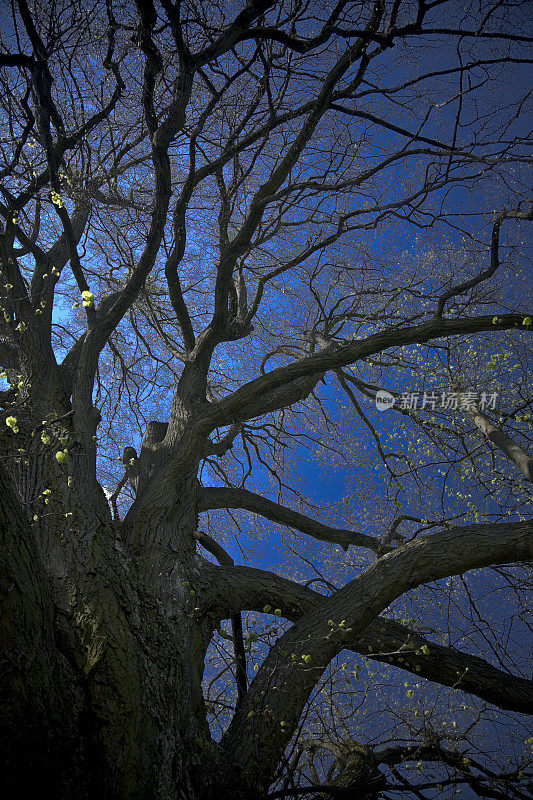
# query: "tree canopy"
[[265, 338]]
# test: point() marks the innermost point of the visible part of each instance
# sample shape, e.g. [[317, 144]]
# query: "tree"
[[225, 228]]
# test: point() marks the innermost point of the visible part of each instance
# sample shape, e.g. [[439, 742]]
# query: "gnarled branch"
[[228, 497], [384, 640], [296, 662]]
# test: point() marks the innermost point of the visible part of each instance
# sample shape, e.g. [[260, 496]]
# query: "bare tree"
[[225, 227]]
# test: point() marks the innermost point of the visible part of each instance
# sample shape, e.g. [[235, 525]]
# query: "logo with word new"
[[384, 400]]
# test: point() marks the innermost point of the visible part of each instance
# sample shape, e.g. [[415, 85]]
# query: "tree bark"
[[41, 698], [512, 449]]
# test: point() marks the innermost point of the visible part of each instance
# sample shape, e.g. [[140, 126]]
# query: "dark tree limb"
[[285, 680], [252, 398], [384, 640], [228, 497], [224, 559], [465, 287]]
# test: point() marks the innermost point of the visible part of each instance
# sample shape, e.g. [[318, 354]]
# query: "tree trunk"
[[100, 685], [44, 751]]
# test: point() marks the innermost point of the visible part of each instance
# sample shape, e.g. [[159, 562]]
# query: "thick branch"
[[234, 32], [226, 443], [294, 665], [228, 497], [69, 364], [16, 60], [384, 640], [57, 256], [512, 449], [252, 398], [225, 559]]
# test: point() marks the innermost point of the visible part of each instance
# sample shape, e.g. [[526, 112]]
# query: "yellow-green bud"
[[88, 299]]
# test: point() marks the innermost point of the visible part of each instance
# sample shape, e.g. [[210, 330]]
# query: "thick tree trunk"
[[100, 686], [43, 749], [104, 630]]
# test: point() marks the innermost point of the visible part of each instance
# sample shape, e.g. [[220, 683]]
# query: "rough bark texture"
[[512, 449], [41, 697]]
